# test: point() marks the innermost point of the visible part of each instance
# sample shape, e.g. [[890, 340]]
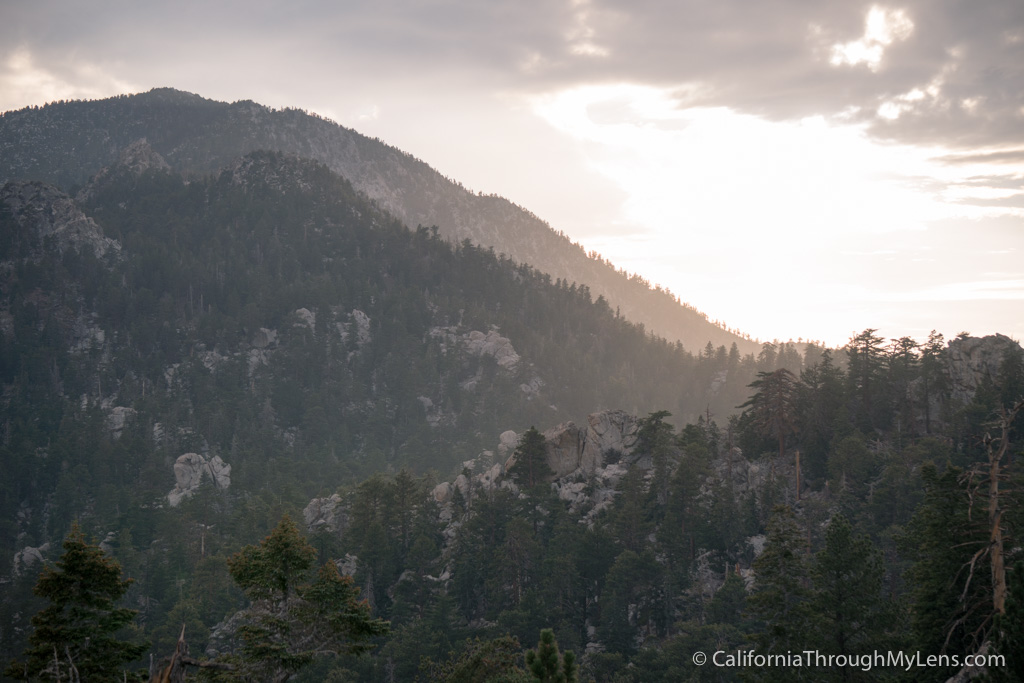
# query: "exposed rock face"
[[224, 635], [442, 493], [564, 445], [609, 430], [362, 324], [117, 419], [972, 360], [571, 449], [27, 557], [139, 157], [44, 213], [494, 345], [264, 338], [324, 514], [306, 318], [479, 344], [507, 443], [136, 159], [189, 470]]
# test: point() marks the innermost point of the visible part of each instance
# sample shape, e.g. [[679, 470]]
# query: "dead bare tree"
[[988, 475]]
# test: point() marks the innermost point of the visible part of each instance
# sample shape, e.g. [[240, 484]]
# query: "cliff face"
[[44, 217], [67, 143], [973, 360]]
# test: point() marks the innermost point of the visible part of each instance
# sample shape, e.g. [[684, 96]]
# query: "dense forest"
[[253, 407]]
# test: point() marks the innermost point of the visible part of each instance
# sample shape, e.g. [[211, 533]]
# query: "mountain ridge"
[[65, 143]]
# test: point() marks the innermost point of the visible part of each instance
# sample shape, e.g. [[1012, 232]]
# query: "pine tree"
[[780, 599], [821, 402], [729, 602], [293, 619], [773, 405], [531, 467], [933, 375], [547, 665], [847, 576], [949, 595], [75, 637], [655, 439], [867, 362], [483, 661]]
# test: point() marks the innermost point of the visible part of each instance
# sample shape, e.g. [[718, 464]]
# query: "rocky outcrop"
[[325, 514], [494, 345], [610, 431], [362, 326], [478, 343], [189, 471], [264, 338], [306, 318], [135, 159], [140, 157], [28, 557], [972, 360], [46, 216], [572, 449], [507, 443], [117, 419], [587, 464]]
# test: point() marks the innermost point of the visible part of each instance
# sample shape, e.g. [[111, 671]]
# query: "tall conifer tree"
[[75, 637]]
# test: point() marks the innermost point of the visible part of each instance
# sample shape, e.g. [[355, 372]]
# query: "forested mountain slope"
[[270, 316], [66, 143], [189, 360]]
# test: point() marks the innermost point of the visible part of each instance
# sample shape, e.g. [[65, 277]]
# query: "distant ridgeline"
[[66, 143]]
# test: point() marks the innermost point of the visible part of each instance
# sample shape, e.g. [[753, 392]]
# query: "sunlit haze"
[[807, 174]]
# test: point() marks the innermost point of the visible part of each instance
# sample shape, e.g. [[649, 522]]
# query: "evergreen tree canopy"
[[294, 619], [547, 665], [76, 635], [773, 405], [847, 576], [531, 466], [781, 597]]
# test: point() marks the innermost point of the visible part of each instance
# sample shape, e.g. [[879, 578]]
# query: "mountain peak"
[[65, 146]]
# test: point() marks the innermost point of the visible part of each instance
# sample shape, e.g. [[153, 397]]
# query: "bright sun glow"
[[22, 80], [882, 27], [767, 225]]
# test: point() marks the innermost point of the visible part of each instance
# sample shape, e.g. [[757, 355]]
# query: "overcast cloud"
[[940, 71]]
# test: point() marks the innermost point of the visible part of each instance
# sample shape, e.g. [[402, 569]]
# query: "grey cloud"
[[769, 57], [1015, 156], [772, 58]]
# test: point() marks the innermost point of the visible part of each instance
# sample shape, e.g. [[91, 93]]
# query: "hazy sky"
[[792, 168]]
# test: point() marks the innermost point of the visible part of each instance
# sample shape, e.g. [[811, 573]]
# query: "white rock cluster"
[[117, 419], [571, 449], [189, 470], [27, 557], [494, 345], [324, 514], [577, 458]]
